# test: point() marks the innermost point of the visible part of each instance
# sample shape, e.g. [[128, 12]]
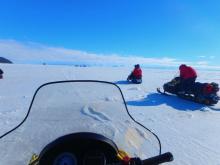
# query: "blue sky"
[[188, 30]]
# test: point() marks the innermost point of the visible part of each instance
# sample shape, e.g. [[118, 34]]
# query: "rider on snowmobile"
[[188, 77], [185, 87], [136, 74]]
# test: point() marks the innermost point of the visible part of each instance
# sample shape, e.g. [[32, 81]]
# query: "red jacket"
[[187, 72], [137, 72]]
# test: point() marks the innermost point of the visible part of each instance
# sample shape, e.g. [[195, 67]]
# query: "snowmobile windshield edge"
[[62, 108]]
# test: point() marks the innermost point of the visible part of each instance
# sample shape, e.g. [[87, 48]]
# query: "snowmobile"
[[136, 75], [204, 93], [134, 80], [81, 122]]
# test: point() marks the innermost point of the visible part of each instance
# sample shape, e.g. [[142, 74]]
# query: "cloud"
[[35, 53], [202, 62], [29, 52], [208, 57], [201, 56], [211, 57]]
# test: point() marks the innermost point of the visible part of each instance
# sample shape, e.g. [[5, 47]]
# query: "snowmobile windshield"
[[62, 108]]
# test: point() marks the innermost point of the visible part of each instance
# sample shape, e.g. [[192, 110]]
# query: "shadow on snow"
[[155, 99]]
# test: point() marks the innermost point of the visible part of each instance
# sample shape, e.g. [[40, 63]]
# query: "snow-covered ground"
[[189, 130]]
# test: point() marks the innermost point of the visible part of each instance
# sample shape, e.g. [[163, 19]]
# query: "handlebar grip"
[[166, 157]]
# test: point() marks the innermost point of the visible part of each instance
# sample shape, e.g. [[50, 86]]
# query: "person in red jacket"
[[136, 75], [188, 77]]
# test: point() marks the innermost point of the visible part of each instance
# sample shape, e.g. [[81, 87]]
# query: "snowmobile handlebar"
[[166, 157]]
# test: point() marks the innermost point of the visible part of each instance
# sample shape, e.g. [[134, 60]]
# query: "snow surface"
[[189, 130]]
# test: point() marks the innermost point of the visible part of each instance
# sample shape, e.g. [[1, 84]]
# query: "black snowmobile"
[[134, 80], [80, 123], [204, 93]]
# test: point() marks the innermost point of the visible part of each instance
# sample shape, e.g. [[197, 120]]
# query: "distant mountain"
[[4, 60]]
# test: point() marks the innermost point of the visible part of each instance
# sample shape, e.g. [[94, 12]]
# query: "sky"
[[185, 30]]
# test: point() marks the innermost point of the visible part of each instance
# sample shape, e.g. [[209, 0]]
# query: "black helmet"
[[137, 66], [182, 66]]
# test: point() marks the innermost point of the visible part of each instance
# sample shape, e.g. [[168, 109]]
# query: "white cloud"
[[202, 63], [29, 52], [208, 57], [201, 56], [211, 57]]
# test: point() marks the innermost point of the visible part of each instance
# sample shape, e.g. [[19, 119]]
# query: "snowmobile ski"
[[213, 108], [164, 93]]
